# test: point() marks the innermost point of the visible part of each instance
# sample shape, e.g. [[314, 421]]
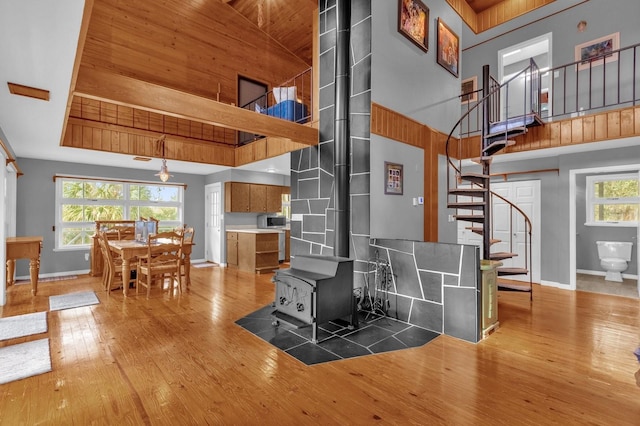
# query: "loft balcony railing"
[[297, 89], [608, 81]]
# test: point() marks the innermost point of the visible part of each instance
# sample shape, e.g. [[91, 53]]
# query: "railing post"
[[486, 235]]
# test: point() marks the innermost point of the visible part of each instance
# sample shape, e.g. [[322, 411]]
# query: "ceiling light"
[[164, 170], [271, 170]]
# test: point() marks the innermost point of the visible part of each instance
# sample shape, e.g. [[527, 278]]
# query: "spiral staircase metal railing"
[[471, 193]]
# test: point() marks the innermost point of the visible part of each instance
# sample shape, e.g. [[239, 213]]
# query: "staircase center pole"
[[486, 166]]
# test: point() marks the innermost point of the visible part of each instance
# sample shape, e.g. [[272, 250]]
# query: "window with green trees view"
[[612, 200], [80, 202]]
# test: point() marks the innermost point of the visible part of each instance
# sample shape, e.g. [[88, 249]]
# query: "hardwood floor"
[[566, 358]]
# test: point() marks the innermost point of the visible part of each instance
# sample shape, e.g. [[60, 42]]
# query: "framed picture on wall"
[[448, 48], [413, 22], [469, 90], [594, 52], [393, 178]]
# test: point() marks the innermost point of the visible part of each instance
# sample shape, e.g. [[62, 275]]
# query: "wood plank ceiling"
[[149, 68]]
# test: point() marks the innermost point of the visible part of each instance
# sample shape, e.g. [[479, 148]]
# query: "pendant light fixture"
[[163, 174]]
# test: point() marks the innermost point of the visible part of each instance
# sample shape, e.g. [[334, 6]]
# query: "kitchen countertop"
[[257, 230]]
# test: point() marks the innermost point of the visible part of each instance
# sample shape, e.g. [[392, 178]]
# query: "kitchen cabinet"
[[232, 249], [258, 198], [274, 198], [258, 252], [237, 197], [242, 197]]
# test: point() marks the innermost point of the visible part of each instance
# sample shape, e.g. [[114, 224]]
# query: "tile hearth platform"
[[375, 334]]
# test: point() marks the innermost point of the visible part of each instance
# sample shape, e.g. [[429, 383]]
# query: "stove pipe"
[[341, 130]]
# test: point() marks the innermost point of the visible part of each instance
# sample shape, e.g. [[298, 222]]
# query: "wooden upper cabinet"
[[274, 198], [241, 197], [237, 197], [258, 199]]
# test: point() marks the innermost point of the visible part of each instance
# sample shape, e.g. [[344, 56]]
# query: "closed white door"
[[213, 222], [510, 228]]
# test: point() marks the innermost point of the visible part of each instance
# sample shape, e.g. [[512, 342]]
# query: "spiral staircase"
[[469, 193]]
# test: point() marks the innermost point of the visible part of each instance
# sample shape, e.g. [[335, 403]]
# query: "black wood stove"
[[315, 290]]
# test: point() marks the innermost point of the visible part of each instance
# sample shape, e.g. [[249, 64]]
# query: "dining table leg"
[[126, 273]]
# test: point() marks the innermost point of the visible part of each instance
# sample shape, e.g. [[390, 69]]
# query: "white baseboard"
[[603, 273], [554, 284]]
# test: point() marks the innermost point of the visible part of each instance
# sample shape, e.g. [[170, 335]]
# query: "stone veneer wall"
[[436, 286], [433, 285]]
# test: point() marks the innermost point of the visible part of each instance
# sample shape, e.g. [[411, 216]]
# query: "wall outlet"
[[86, 256]]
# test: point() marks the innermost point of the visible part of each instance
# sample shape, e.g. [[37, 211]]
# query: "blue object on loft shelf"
[[289, 110]]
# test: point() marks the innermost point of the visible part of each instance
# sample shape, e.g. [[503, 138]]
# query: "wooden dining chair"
[[112, 278], [187, 238], [162, 261]]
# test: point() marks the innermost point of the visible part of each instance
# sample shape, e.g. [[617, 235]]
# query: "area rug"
[[72, 300], [23, 325], [24, 360], [375, 334], [47, 280], [204, 265]]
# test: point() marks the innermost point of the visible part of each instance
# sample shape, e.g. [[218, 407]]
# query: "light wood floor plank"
[[566, 358]]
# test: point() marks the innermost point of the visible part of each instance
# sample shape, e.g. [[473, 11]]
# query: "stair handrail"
[[528, 226], [531, 66]]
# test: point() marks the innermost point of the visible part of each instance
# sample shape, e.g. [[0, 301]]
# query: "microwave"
[[271, 221]]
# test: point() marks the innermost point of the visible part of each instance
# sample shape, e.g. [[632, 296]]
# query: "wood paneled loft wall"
[[602, 126], [148, 69], [607, 125], [494, 15]]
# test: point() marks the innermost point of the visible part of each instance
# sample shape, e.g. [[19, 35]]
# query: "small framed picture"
[[593, 53], [469, 90], [413, 22], [393, 178], [448, 48]]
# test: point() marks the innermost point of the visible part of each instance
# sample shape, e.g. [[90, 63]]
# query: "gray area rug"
[[24, 360], [23, 325], [72, 300]]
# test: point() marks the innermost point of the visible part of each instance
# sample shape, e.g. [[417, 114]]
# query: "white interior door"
[[213, 222], [525, 195]]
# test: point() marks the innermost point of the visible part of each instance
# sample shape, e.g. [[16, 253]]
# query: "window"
[[612, 200], [82, 201]]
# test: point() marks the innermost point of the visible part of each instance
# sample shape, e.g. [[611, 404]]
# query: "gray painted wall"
[[554, 193], [586, 236], [405, 78], [602, 19], [395, 215], [36, 208]]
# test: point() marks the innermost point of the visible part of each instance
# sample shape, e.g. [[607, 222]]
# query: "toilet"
[[614, 256]]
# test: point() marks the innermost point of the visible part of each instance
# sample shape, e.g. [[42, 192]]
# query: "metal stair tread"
[[474, 192], [514, 287], [512, 271], [497, 145], [501, 255], [469, 217], [471, 205]]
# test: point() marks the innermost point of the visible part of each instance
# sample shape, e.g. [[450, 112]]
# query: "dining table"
[[130, 250]]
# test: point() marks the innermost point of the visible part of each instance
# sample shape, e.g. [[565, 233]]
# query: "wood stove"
[[315, 290]]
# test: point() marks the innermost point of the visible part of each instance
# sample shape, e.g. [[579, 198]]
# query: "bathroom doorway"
[[585, 271]]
